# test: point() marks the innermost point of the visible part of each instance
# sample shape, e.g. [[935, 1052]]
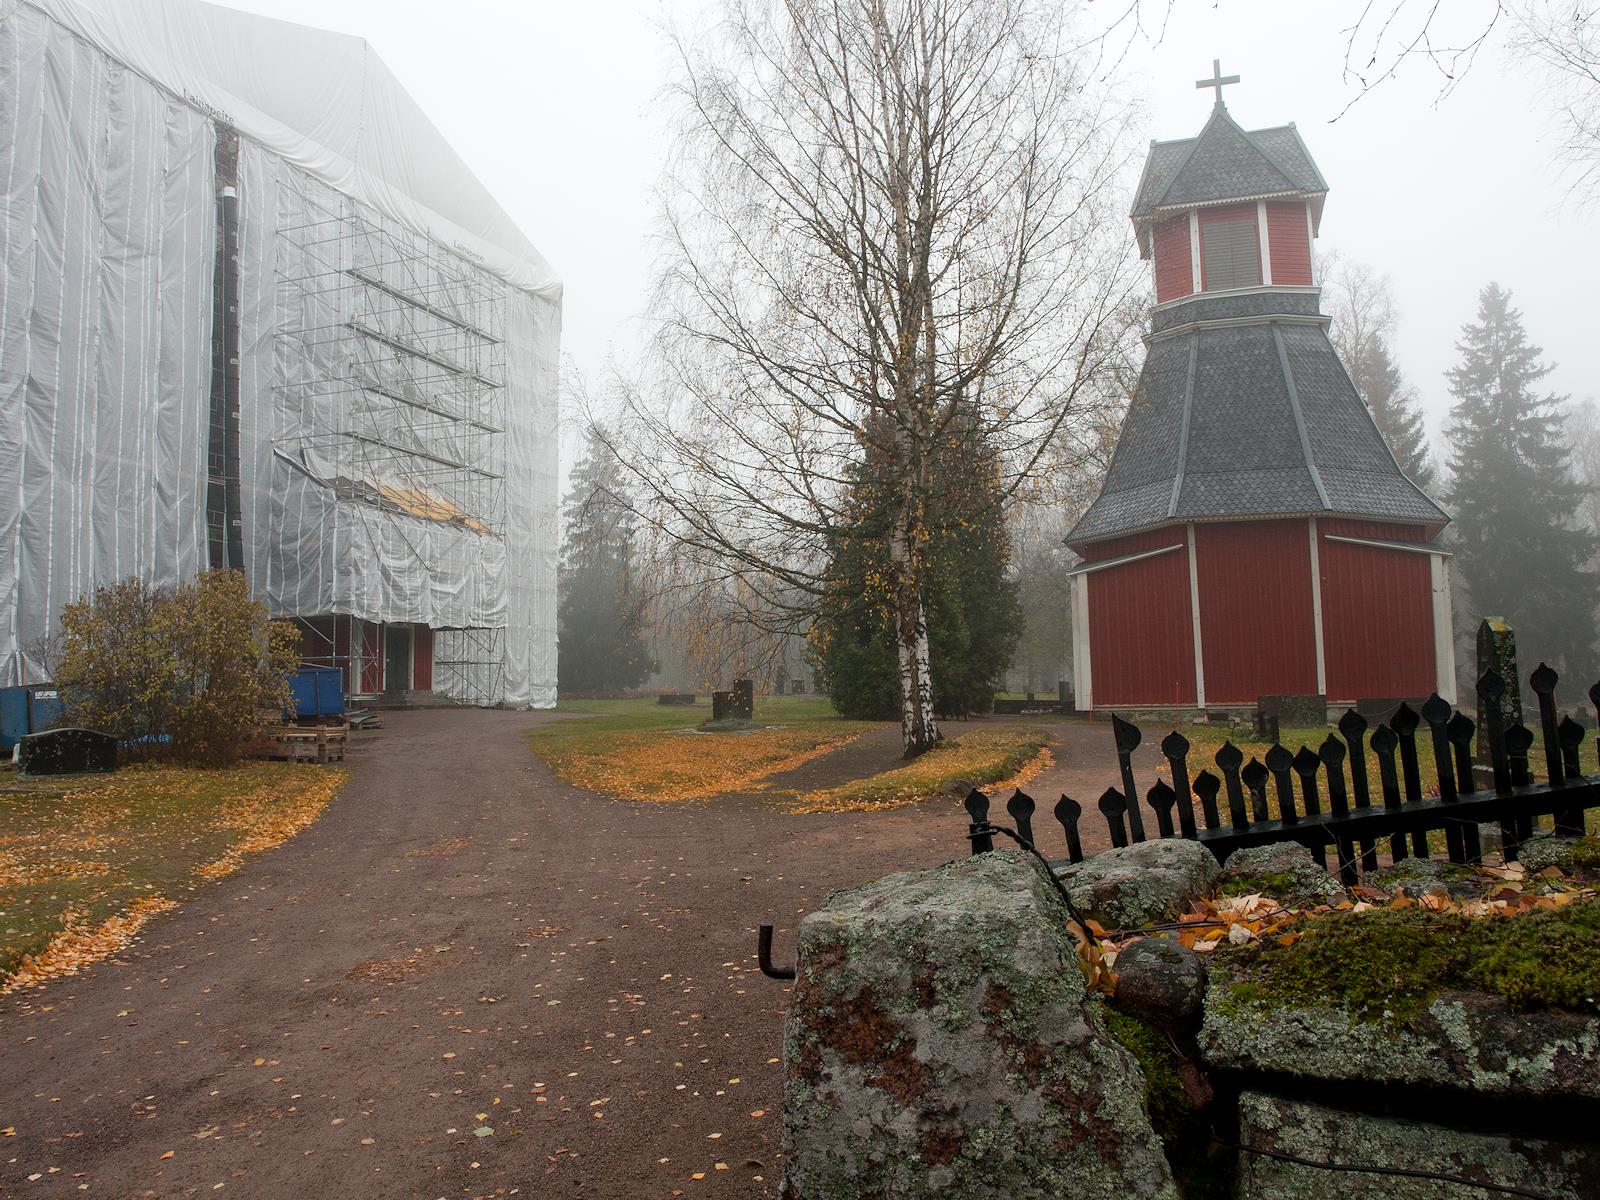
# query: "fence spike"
[[1206, 786], [1068, 811], [1354, 727], [1332, 753], [1176, 749], [1436, 712], [1254, 776], [1543, 682], [1113, 806], [1306, 765], [1128, 737], [1021, 807], [1280, 762], [1404, 722], [1384, 745], [1161, 798], [977, 806], [1229, 760]]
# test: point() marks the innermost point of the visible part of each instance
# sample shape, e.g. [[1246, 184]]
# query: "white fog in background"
[[555, 107]]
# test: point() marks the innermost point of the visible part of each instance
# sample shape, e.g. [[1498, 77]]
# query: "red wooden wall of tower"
[[1141, 637], [1377, 612], [1256, 620]]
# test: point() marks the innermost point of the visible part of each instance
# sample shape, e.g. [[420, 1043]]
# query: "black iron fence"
[[1325, 797]]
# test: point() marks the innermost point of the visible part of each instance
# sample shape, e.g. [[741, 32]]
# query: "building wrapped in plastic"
[[255, 312]]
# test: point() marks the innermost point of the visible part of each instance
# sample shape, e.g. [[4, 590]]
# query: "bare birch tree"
[[890, 223], [1564, 36]]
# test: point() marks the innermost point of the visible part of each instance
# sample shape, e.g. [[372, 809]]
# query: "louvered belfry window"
[[1231, 254]]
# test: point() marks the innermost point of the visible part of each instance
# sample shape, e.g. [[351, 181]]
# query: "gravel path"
[[467, 979]]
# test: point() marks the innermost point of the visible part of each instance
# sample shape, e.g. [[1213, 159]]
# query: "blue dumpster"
[[318, 692], [30, 708]]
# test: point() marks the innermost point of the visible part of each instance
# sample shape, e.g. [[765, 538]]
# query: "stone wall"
[[942, 1042]]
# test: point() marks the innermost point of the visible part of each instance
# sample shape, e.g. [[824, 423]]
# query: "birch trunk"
[[917, 726]]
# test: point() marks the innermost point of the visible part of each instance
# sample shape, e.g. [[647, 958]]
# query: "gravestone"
[[1497, 649], [721, 705], [66, 752], [684, 698], [1292, 712], [744, 700]]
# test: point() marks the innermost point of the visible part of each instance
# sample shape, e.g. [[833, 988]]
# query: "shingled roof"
[[1239, 420], [1224, 163]]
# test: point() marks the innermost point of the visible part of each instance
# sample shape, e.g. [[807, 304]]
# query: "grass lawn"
[[1008, 755], [642, 750], [85, 861]]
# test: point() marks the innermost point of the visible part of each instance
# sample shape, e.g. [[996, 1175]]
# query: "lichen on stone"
[[1143, 884], [1495, 1005], [1322, 1134], [1580, 855], [941, 1043], [1283, 870]]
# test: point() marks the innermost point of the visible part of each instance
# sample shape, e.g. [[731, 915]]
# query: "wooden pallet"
[[319, 744]]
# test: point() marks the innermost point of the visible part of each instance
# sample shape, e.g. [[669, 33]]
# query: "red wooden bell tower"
[[1254, 535]]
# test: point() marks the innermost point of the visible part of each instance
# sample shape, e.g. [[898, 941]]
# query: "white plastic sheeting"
[[106, 295], [107, 234], [324, 102]]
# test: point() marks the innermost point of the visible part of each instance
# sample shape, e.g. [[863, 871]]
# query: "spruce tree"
[[600, 613], [1519, 551], [974, 616], [1394, 408], [1361, 303]]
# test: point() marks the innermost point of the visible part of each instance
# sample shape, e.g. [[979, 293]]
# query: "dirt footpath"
[[467, 979]]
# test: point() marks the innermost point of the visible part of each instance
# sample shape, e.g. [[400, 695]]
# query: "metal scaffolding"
[[470, 662], [397, 396]]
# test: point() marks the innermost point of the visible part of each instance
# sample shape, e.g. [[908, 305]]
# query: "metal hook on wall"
[[764, 956]]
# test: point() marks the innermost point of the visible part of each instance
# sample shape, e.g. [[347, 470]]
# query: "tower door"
[[396, 657]]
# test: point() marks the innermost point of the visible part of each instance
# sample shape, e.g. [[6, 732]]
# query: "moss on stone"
[[1198, 1171], [1390, 964], [1585, 854], [1275, 883]]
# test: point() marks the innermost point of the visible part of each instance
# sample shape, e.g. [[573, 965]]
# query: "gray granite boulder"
[[1148, 883], [1464, 1041], [1420, 875], [941, 1043], [1568, 854], [1161, 983], [1283, 870], [1330, 1135]]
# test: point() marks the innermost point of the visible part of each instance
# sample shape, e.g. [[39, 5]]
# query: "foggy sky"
[[557, 107]]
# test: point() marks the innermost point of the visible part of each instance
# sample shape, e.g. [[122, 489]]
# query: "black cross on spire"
[[1217, 80]]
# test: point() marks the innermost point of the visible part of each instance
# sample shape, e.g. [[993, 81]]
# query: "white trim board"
[[1407, 547], [1106, 563]]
